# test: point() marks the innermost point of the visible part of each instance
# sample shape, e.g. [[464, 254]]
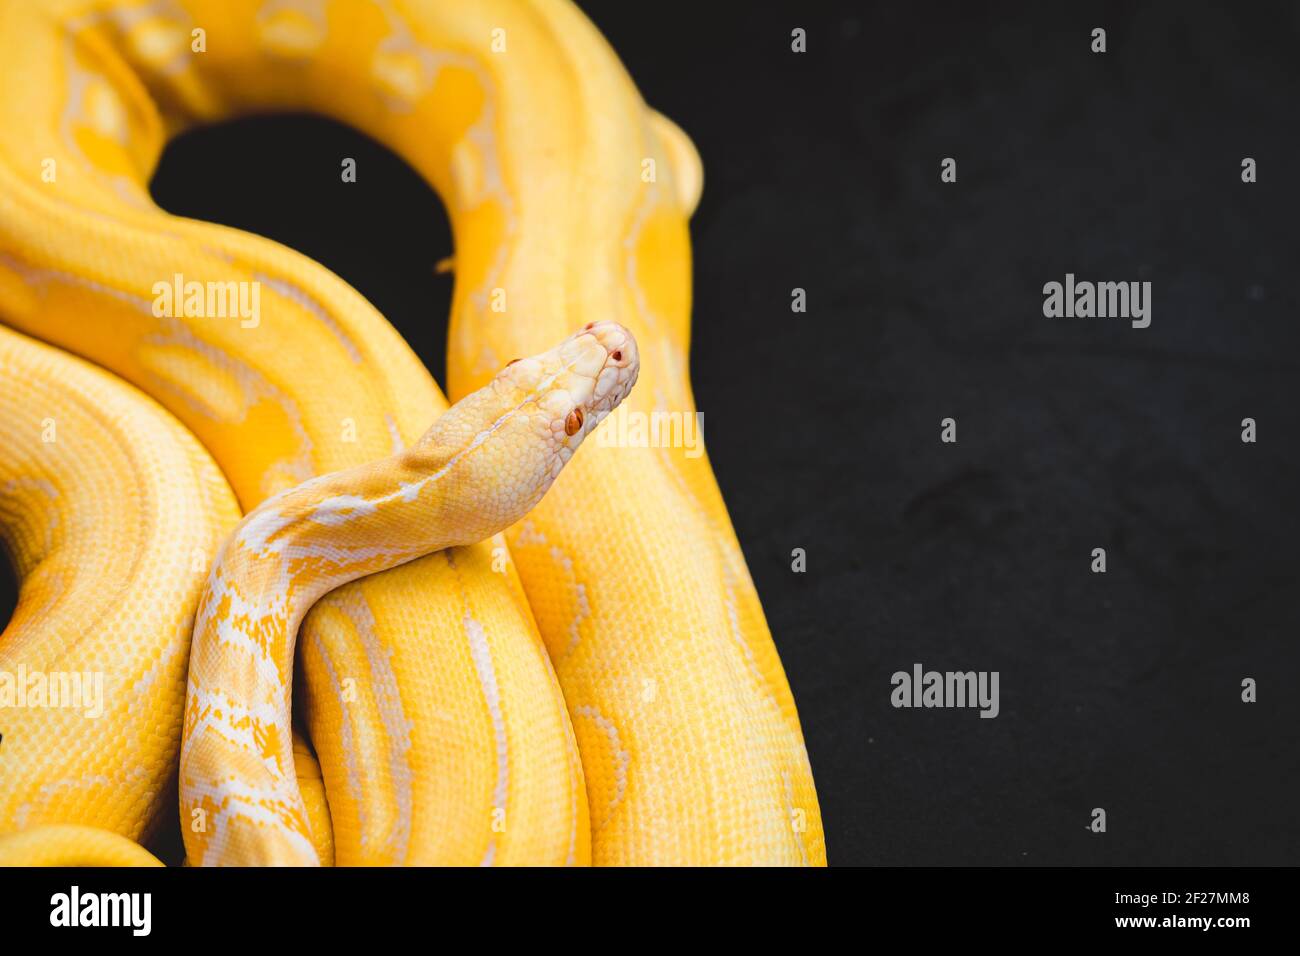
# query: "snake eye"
[[573, 422]]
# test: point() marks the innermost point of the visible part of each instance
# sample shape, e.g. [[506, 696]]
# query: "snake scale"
[[595, 685]]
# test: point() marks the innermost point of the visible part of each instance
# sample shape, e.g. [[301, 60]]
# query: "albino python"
[[481, 467], [598, 685]]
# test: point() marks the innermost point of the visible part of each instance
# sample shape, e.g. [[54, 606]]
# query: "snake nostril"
[[511, 362], [616, 355], [589, 326]]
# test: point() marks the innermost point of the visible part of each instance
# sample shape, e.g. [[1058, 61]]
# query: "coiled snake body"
[[598, 685]]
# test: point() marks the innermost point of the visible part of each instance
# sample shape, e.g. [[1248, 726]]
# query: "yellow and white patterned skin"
[[112, 514], [483, 465], [569, 202], [433, 708]]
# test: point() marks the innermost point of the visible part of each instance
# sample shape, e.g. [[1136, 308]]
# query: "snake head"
[[498, 449], [576, 384]]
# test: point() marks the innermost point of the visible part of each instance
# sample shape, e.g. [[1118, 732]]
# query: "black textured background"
[[924, 301]]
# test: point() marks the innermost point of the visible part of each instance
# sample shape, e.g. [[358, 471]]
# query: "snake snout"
[[619, 345], [617, 373]]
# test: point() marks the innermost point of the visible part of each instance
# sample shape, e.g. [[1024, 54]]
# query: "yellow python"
[[600, 686]]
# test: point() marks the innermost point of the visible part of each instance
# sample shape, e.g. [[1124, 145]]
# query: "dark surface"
[[822, 171]]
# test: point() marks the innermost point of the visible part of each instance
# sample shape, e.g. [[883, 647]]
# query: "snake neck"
[[282, 558]]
